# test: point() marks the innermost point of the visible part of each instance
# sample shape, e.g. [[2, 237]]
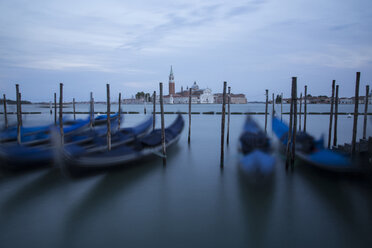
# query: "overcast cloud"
[[253, 45]]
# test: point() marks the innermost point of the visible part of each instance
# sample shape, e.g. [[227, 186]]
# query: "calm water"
[[190, 202]]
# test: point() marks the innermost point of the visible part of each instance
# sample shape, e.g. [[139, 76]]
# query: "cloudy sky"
[[253, 45]]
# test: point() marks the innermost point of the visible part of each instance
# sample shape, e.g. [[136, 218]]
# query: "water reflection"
[[256, 199], [9, 177], [111, 189], [31, 191], [336, 193]]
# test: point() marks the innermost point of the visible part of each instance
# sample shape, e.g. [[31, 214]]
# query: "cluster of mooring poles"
[[291, 136], [60, 116], [333, 118], [334, 111]]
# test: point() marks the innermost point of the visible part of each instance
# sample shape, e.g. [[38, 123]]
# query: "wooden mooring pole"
[[273, 111], [189, 136], [365, 113], [61, 111], [154, 110], [108, 118], [91, 113], [93, 110], [336, 118], [289, 139], [281, 107], [353, 141], [305, 108], [331, 114], [162, 124], [20, 109], [55, 109], [299, 121], [18, 116], [144, 104], [266, 106], [73, 107], [119, 111], [5, 112], [294, 122], [228, 116], [223, 124]]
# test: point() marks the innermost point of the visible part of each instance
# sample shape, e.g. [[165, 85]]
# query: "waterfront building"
[[202, 95], [234, 98], [362, 100], [345, 100], [195, 87], [197, 95]]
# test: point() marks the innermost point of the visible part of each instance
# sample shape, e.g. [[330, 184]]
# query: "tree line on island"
[[142, 95], [278, 98], [8, 101]]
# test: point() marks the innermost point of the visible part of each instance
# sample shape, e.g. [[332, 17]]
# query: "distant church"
[[182, 97]]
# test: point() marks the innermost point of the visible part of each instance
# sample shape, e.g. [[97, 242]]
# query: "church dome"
[[195, 86]]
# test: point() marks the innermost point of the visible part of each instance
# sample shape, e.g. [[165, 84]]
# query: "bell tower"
[[171, 83]]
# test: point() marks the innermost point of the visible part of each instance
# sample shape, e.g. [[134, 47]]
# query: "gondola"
[[257, 162], [78, 159], [312, 152], [39, 134], [41, 138], [21, 156], [98, 141], [102, 119]]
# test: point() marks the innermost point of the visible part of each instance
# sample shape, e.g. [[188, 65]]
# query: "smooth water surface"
[[191, 202]]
